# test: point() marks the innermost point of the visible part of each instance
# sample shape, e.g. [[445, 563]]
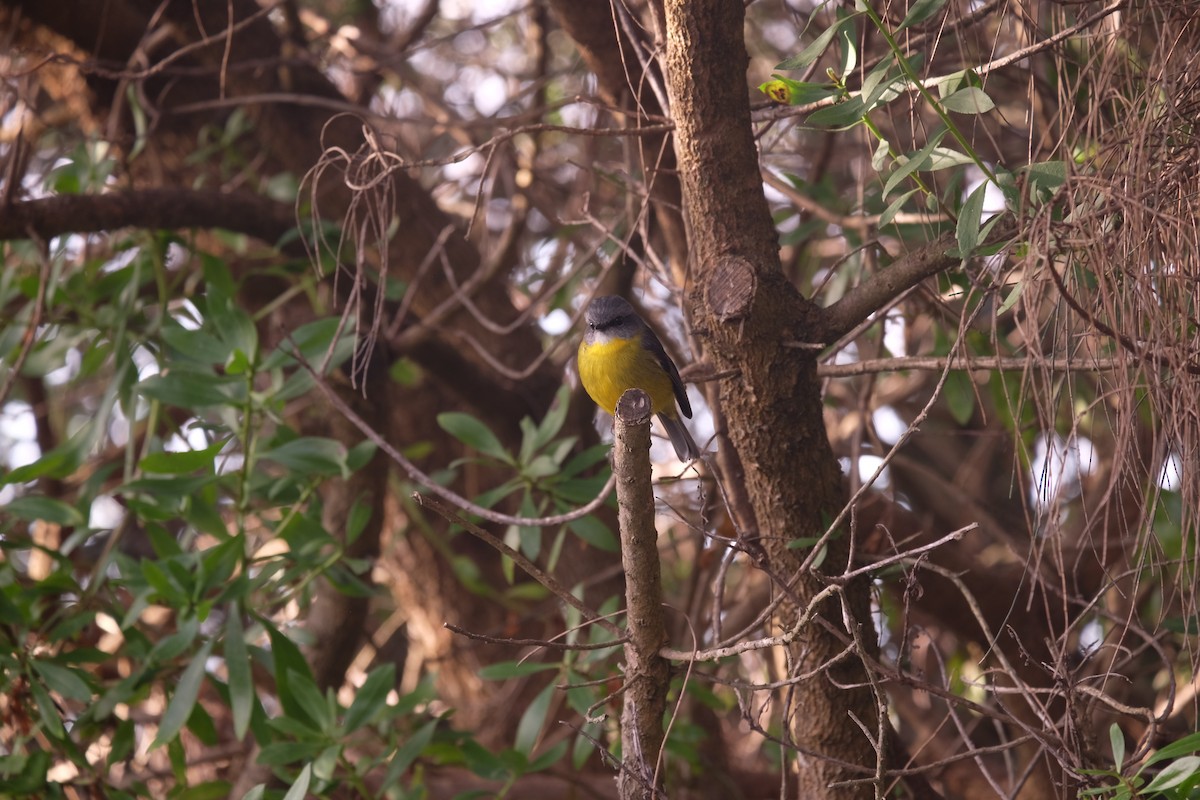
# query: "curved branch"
[[902, 274], [154, 209]]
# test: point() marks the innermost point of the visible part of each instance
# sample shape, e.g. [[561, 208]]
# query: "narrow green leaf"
[[311, 701], [910, 164], [311, 455], [1174, 774], [474, 433], [300, 787], [969, 219], [1179, 747], [210, 790], [47, 711], [196, 345], [241, 679], [593, 531], [841, 115], [919, 12], [894, 208], [38, 507], [849, 58], [945, 158], [182, 462], [553, 421], [513, 669], [959, 392], [186, 691], [186, 389], [1011, 300], [877, 81], [63, 680], [811, 53], [407, 753], [971, 100], [371, 698], [357, 519], [549, 757], [533, 720], [1117, 739], [324, 765]]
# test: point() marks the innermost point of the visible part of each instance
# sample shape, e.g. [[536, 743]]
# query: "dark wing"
[[650, 342]]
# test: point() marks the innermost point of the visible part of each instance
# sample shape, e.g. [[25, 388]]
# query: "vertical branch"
[[647, 675]]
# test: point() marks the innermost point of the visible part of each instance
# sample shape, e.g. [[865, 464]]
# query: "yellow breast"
[[607, 369]]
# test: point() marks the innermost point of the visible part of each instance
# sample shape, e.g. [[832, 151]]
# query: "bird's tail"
[[685, 445]]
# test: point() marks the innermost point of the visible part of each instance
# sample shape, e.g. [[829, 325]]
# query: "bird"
[[619, 351]]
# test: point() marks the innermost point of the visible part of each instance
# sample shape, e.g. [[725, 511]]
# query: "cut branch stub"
[[730, 288]]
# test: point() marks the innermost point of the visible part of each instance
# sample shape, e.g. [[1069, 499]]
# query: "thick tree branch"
[[889, 283], [153, 209]]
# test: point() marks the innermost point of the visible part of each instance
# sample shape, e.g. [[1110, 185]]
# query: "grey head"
[[611, 317]]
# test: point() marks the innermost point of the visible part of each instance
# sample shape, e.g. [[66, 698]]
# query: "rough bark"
[[747, 312], [647, 674]]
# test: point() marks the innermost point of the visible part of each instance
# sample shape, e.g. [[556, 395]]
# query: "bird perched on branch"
[[619, 351]]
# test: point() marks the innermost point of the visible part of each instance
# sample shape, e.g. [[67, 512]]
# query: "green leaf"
[[311, 455], [325, 764], [47, 711], [849, 58], [593, 531], [553, 421], [164, 584], [945, 158], [1117, 739], [186, 389], [1011, 300], [371, 698], [311, 701], [919, 12], [187, 690], [814, 51], [840, 115], [58, 463], [473, 433], [877, 88], [38, 507], [241, 679], [210, 790], [550, 757], [910, 164], [407, 753], [533, 720], [357, 519], [513, 669], [1179, 747], [1174, 774], [300, 787], [313, 341], [196, 345], [894, 208], [959, 391], [27, 774], [1045, 177], [971, 100], [63, 680], [182, 462], [969, 218], [360, 455]]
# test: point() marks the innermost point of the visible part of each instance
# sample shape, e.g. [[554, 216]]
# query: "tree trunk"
[[750, 317]]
